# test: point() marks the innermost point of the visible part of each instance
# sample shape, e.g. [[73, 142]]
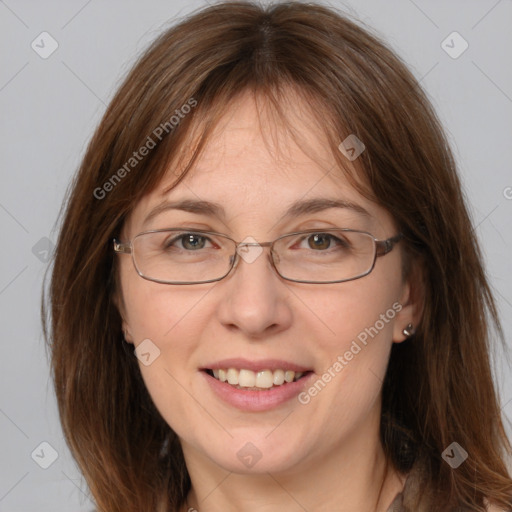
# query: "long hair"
[[438, 387]]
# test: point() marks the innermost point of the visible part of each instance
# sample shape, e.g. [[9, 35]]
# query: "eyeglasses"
[[190, 256]]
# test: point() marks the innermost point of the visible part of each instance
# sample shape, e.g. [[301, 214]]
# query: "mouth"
[[249, 380], [256, 385]]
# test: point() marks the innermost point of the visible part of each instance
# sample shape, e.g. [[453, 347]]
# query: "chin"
[[256, 457]]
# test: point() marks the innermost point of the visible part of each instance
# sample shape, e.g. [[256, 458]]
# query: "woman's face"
[[338, 335]]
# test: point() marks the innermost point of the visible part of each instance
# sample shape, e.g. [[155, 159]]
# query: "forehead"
[[256, 164]]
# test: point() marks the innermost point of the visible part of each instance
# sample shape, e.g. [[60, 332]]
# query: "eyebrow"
[[298, 208]]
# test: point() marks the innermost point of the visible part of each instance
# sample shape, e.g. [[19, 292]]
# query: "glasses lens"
[[186, 256], [324, 256], [175, 256]]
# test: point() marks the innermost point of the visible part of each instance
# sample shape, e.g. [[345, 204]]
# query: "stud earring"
[[408, 331]]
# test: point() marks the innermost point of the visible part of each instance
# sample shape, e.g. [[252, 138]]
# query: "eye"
[[323, 241], [188, 241], [319, 241]]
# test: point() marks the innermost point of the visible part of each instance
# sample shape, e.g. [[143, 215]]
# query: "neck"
[[351, 477]]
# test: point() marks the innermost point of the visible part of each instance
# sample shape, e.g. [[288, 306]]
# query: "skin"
[[324, 455]]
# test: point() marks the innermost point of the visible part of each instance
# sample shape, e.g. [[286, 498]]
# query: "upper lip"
[[255, 365]]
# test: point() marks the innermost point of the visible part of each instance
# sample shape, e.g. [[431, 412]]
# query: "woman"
[[266, 293]]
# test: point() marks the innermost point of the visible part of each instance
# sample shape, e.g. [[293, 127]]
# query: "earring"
[[408, 331]]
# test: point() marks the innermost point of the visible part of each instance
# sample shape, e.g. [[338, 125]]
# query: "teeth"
[[264, 379], [278, 377], [246, 378], [232, 376]]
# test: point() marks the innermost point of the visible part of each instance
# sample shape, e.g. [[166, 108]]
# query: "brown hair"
[[438, 387]]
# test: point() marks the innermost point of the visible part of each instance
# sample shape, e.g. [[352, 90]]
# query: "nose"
[[253, 299]]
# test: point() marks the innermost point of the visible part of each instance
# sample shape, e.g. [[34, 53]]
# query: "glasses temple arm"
[[122, 247], [385, 246]]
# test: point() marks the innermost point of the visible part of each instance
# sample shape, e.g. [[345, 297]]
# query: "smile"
[[255, 380]]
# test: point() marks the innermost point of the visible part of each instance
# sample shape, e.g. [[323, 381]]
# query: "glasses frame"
[[381, 247]]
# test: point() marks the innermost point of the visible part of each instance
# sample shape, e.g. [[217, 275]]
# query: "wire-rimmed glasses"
[[315, 256]]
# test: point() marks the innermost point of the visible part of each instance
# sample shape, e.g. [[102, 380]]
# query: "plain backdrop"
[[51, 106]]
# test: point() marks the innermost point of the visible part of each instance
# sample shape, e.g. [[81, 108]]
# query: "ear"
[[411, 301], [127, 333], [119, 303]]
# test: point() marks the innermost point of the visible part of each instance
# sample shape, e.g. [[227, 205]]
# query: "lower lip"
[[256, 401]]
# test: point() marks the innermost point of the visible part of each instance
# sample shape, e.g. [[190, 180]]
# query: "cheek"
[[357, 311], [158, 311], [357, 324], [172, 319]]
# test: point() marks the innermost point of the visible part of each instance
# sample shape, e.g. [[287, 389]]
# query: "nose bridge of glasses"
[[250, 251], [254, 244]]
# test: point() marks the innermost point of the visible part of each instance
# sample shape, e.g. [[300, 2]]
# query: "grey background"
[[50, 107]]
